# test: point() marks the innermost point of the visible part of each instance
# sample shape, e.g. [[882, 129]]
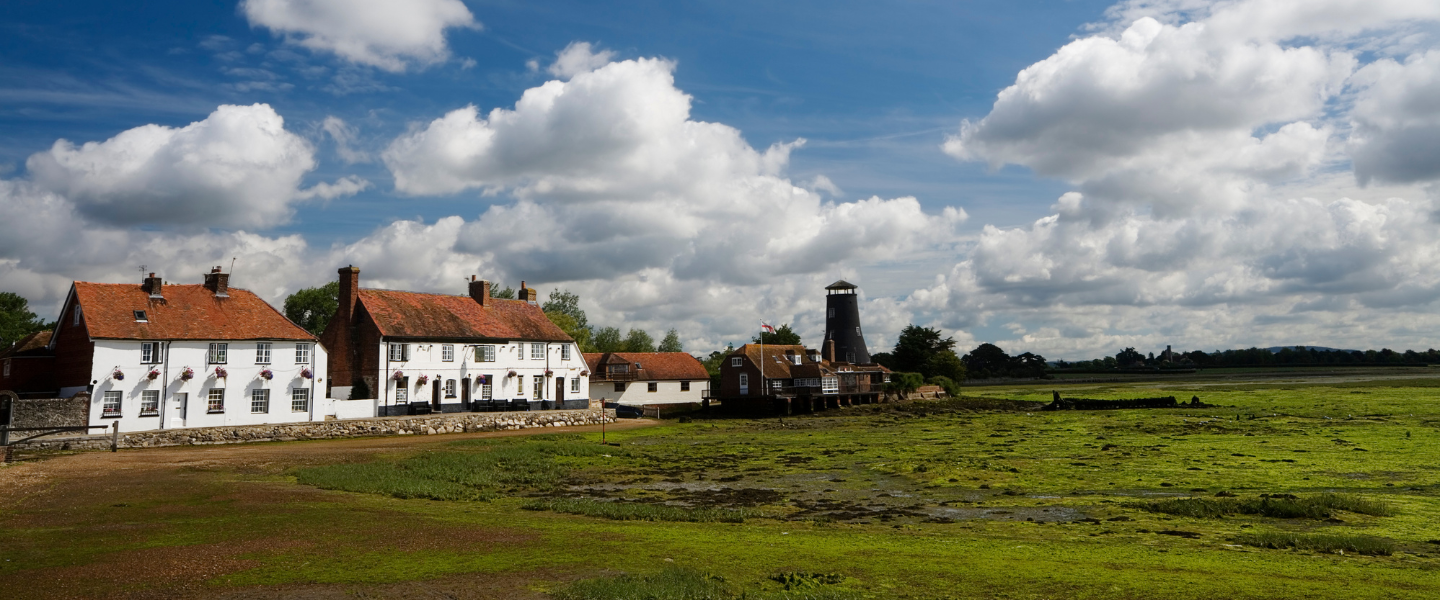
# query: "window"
[[449, 388], [744, 383], [302, 354], [520, 385], [652, 386], [485, 353], [259, 400], [299, 399], [76, 314], [620, 387], [486, 392], [830, 313], [215, 403], [402, 390], [537, 351], [400, 352], [857, 330], [736, 361], [775, 383], [149, 352], [620, 368], [217, 353], [575, 385], [565, 352], [111, 406], [262, 353], [447, 353], [140, 316], [539, 387], [7, 367], [684, 386], [829, 385], [795, 358], [149, 403]]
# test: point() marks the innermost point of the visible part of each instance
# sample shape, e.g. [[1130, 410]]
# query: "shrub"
[[1320, 542], [637, 511], [1281, 507]]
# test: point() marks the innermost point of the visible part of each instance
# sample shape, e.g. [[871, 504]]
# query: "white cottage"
[[157, 356], [640, 378], [397, 353]]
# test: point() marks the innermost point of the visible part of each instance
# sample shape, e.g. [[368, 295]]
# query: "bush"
[[951, 388], [1280, 507], [1320, 542], [636, 511]]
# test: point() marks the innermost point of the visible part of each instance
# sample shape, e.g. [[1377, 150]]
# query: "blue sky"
[[1132, 174]]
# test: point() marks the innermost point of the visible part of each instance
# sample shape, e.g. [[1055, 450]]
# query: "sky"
[[1068, 178]]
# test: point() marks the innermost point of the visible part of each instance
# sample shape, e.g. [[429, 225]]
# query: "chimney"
[[830, 350], [528, 294], [152, 284], [349, 293], [218, 282], [480, 290]]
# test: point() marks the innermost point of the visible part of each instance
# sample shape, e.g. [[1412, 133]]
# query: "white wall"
[[242, 376], [637, 392], [426, 358]]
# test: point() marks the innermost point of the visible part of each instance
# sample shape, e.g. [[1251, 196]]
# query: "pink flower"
[[307, 373], [220, 373]]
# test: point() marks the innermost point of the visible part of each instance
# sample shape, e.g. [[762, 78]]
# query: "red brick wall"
[[74, 352]]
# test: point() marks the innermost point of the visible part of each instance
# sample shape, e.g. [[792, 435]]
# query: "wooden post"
[[115, 436]]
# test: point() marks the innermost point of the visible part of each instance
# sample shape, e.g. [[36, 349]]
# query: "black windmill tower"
[[842, 323]]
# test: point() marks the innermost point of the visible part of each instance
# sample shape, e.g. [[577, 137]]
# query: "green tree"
[[987, 361], [636, 340], [904, 383], [508, 293], [783, 336], [607, 339], [917, 347], [16, 320], [1128, 357], [945, 364], [311, 308], [563, 301], [671, 343], [712, 363], [567, 323]]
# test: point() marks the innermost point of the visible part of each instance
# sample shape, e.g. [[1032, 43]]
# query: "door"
[[744, 384], [435, 394], [178, 404], [465, 393], [559, 392]]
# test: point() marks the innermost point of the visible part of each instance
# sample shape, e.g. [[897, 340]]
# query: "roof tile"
[[187, 312]]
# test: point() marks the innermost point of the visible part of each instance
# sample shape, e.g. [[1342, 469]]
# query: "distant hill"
[[1274, 349]]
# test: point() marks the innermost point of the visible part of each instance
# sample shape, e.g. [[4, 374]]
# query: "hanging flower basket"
[[220, 373], [422, 380], [153, 374], [187, 374], [549, 372], [267, 374], [117, 375], [307, 373], [510, 374], [398, 375], [584, 373]]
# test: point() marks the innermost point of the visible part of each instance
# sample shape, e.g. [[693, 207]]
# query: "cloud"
[[388, 34], [1396, 120], [344, 135], [239, 167], [577, 58]]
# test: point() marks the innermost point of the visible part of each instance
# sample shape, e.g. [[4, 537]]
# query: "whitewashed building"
[[640, 378], [157, 356], [395, 353]]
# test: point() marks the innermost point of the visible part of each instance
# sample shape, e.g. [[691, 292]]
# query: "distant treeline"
[[1254, 357]]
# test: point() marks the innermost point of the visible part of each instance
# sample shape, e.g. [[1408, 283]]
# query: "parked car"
[[624, 411]]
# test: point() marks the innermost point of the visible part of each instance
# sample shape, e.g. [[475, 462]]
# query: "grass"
[[678, 583], [1320, 542], [1321, 506], [635, 511]]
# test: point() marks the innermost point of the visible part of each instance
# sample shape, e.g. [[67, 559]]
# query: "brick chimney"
[[480, 290], [528, 295], [218, 282], [830, 350], [349, 294], [152, 285]]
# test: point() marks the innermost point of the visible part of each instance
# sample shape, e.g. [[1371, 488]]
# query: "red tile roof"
[[413, 314], [34, 343], [187, 312], [777, 365], [654, 366]]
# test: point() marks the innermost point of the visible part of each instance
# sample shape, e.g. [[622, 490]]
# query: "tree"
[[563, 301], [1128, 357], [884, 359], [904, 383], [671, 343], [507, 293], [987, 361], [567, 324], [782, 336], [712, 363], [916, 348], [636, 340], [16, 320], [607, 339], [1027, 365], [311, 308], [945, 364]]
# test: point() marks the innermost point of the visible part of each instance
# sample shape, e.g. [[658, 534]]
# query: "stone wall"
[[51, 412], [324, 430]]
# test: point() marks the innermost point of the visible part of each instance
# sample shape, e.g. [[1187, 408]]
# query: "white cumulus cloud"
[[387, 34]]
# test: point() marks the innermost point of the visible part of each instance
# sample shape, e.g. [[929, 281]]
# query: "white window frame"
[[112, 403], [487, 392], [402, 390], [565, 352], [539, 385], [260, 401], [520, 385], [262, 353], [447, 353], [449, 388], [149, 403], [537, 351], [149, 353], [575, 385], [829, 385], [485, 353], [219, 353], [302, 354], [299, 399], [736, 361], [215, 400], [744, 383], [400, 352]]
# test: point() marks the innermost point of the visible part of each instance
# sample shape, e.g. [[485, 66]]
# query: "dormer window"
[[140, 316]]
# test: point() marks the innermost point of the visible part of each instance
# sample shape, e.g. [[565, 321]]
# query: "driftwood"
[[1096, 404]]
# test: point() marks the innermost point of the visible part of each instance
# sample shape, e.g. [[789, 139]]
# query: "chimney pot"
[[218, 282], [153, 285]]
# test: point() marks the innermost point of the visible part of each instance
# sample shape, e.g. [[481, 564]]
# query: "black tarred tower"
[[842, 323]]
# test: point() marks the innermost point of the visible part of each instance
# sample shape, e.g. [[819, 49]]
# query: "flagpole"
[[762, 359]]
